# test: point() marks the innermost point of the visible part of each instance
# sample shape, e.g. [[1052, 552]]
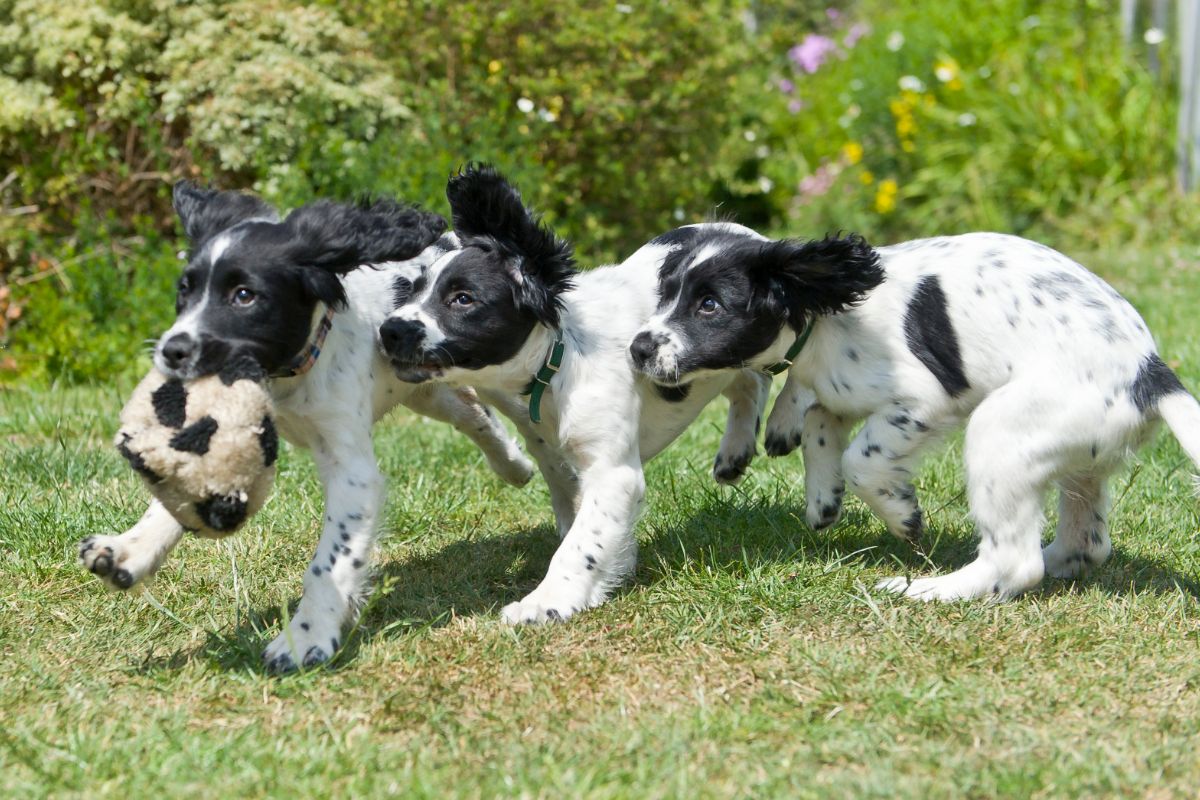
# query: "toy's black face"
[[711, 314], [241, 295], [725, 298]]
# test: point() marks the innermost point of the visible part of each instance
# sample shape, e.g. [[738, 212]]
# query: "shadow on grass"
[[476, 577]]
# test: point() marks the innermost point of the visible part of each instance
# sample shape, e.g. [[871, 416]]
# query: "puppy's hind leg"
[[1082, 539], [1010, 464], [747, 395], [462, 409], [823, 443]]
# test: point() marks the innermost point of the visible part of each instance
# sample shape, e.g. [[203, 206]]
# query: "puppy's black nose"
[[401, 338], [644, 347], [177, 350]]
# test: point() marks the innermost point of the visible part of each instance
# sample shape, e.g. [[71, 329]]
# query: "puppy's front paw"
[[729, 469], [108, 558], [541, 606], [780, 443], [302, 645]]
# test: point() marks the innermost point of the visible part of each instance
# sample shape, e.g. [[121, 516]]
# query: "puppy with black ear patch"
[[1055, 373], [292, 298], [509, 315]]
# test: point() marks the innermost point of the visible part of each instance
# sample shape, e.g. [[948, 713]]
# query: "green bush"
[[954, 115]]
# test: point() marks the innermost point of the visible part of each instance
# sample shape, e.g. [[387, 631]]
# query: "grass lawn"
[[749, 657]]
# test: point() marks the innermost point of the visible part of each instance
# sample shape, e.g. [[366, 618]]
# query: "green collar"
[[793, 351], [537, 386]]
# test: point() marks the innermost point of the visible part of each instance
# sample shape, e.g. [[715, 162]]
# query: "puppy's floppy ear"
[[822, 276], [486, 208], [206, 212], [340, 237]]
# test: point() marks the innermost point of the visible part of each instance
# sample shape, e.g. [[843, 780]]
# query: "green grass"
[[749, 657]]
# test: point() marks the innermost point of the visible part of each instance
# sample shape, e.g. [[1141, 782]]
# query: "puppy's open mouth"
[[417, 372]]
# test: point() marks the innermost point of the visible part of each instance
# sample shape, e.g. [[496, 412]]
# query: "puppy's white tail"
[[1181, 412]]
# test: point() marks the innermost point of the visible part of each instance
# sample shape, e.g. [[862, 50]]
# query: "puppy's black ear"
[[206, 212], [822, 276], [340, 237], [486, 208]]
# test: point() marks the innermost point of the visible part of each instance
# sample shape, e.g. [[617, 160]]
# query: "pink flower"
[[812, 52], [795, 106], [818, 183], [833, 13], [857, 31], [785, 86]]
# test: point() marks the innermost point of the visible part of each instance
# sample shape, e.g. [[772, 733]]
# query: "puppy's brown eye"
[[242, 296], [461, 299], [709, 305]]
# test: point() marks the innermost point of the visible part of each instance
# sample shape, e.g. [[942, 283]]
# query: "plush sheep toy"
[[206, 448]]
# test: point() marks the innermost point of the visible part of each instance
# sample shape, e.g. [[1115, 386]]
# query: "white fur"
[[331, 410]]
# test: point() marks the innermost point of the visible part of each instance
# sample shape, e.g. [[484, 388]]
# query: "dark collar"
[[793, 351], [537, 386], [311, 352]]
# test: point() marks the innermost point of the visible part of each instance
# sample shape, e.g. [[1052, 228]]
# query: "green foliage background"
[[618, 120]]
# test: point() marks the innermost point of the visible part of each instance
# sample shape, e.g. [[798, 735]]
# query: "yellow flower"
[[853, 152], [867, 177], [946, 69], [905, 126], [885, 196], [494, 66]]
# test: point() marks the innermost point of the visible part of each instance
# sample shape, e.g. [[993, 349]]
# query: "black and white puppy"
[[489, 316], [291, 296], [1055, 373]]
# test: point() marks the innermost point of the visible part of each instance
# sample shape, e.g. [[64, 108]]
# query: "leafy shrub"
[[953, 115]]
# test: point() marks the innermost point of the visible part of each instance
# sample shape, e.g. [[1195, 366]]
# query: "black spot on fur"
[[304, 626], [196, 437], [1154, 381], [269, 441], [931, 338], [170, 403], [138, 463], [222, 512], [402, 289], [241, 367], [673, 394]]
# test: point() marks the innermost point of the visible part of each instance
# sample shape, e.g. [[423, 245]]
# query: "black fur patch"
[[170, 403], [195, 438], [138, 463], [673, 394], [269, 441], [241, 367], [931, 337], [1154, 381], [402, 289], [680, 236], [222, 512]]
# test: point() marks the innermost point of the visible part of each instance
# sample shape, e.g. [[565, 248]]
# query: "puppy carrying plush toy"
[[206, 448]]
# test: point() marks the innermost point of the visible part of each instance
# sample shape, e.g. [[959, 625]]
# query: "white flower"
[[895, 41], [1154, 36], [547, 115], [765, 184], [624, 8], [911, 83], [762, 151], [678, 215], [750, 135], [966, 119], [525, 105], [1031, 22], [944, 73]]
